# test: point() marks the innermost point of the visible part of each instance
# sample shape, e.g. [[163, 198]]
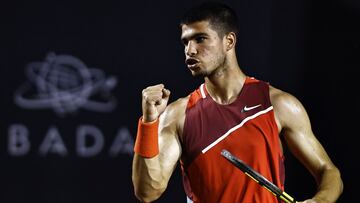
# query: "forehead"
[[189, 30]]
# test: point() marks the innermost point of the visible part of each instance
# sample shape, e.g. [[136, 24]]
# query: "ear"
[[230, 40]]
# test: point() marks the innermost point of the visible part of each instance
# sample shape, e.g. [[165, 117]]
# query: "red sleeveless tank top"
[[247, 129]]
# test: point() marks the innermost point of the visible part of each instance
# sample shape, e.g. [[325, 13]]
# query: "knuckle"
[[144, 91]]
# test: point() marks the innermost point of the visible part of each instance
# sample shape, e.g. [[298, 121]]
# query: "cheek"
[[209, 51], [213, 53]]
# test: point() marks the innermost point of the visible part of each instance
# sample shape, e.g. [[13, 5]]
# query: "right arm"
[[150, 176]]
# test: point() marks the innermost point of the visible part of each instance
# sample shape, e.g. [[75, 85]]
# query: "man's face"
[[204, 49]]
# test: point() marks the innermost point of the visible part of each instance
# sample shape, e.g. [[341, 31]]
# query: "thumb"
[[166, 94]]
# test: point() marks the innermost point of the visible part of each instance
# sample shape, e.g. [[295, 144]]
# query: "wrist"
[[148, 119], [146, 143]]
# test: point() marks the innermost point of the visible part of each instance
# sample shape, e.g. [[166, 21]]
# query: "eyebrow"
[[200, 34]]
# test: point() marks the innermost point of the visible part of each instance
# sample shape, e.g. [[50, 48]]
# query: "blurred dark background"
[[67, 130]]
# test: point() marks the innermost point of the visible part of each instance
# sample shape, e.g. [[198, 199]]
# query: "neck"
[[225, 84]]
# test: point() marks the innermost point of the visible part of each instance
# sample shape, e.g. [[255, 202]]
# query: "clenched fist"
[[154, 102]]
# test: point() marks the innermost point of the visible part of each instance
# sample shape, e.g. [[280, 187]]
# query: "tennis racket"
[[261, 180]]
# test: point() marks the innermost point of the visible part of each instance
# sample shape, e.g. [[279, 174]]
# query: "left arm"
[[295, 126]]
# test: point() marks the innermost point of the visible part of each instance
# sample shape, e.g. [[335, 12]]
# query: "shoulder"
[[174, 115], [281, 98], [287, 108], [177, 107]]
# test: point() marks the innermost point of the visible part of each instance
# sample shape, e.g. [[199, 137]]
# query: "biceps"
[[309, 151], [170, 151]]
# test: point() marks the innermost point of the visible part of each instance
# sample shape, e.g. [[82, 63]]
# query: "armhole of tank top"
[[279, 140], [274, 123], [189, 104]]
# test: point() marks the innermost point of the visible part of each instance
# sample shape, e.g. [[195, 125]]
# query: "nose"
[[190, 49]]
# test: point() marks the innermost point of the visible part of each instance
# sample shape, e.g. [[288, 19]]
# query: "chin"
[[199, 74]]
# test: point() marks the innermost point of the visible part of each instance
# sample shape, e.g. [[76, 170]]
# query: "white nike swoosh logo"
[[251, 107]]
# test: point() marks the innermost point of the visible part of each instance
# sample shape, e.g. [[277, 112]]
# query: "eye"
[[200, 39]]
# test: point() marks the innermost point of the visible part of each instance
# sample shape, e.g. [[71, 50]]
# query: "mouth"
[[192, 63]]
